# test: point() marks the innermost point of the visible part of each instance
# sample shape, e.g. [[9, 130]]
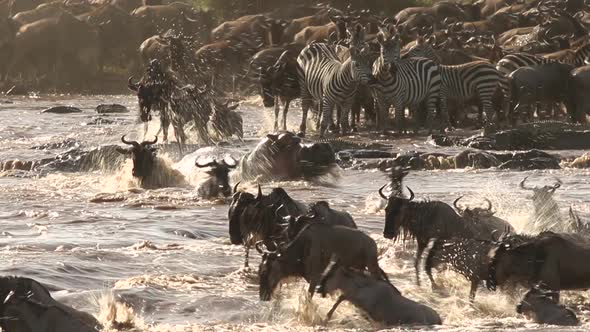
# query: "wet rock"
[[365, 154], [65, 144], [62, 110], [98, 122], [111, 108]]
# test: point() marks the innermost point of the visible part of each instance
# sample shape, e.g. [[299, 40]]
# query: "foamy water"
[[107, 247]]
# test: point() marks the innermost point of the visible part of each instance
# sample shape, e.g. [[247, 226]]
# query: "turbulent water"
[[126, 262]]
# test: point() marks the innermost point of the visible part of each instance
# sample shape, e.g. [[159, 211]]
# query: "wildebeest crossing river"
[[161, 260]]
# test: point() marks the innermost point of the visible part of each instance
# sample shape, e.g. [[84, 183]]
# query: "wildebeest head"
[[474, 212], [270, 79], [542, 306], [270, 272], [249, 213], [220, 172], [285, 141], [144, 156], [147, 97], [395, 213], [541, 195]]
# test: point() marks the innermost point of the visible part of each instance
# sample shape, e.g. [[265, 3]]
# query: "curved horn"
[[258, 247], [522, 184], [259, 196], [455, 203], [209, 164], [134, 143], [381, 191], [557, 184], [411, 193], [489, 204], [144, 143], [279, 209], [236, 187], [132, 86]]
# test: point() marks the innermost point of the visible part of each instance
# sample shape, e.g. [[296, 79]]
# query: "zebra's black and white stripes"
[[405, 82], [324, 77], [462, 82]]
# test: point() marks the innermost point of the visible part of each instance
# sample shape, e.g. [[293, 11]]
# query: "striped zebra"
[[404, 82], [476, 79], [323, 76]]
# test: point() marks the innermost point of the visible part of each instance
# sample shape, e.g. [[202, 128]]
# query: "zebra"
[[323, 76], [462, 82], [404, 82]]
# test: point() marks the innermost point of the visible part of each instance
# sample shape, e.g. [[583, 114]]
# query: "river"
[[123, 258]]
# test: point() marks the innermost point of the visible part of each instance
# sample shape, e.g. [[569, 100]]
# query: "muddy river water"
[[124, 261]]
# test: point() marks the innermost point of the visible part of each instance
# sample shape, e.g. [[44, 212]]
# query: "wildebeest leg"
[[473, 290], [432, 283], [277, 110], [285, 111], [331, 312], [421, 247]]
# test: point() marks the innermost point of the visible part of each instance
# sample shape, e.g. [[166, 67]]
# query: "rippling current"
[[125, 261]]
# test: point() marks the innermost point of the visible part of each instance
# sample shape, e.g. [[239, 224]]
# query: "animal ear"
[[273, 137], [233, 107]]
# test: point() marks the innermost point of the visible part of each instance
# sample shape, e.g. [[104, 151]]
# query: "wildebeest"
[[318, 212], [544, 83], [484, 222], [379, 299], [26, 305], [225, 121], [254, 218], [546, 215], [218, 182], [422, 221], [310, 252], [557, 261], [283, 157], [150, 171], [538, 305]]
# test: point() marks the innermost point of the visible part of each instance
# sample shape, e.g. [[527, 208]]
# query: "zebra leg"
[[327, 110], [400, 109], [306, 103], [344, 126], [444, 112], [285, 111], [277, 110], [334, 126]]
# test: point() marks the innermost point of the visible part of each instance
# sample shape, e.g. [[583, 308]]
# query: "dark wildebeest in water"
[[27, 306], [539, 305], [555, 260], [283, 157], [218, 182], [254, 218], [310, 252], [422, 221], [150, 171], [379, 299]]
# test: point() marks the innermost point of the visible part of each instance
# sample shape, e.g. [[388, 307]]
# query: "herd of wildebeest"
[[516, 61]]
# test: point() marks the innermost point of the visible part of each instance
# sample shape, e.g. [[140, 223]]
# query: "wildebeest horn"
[[144, 143], [455, 203], [209, 164], [132, 86], [381, 191], [411, 193], [557, 184], [258, 247], [259, 196], [522, 184], [236, 187], [279, 209], [489, 204], [134, 143]]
